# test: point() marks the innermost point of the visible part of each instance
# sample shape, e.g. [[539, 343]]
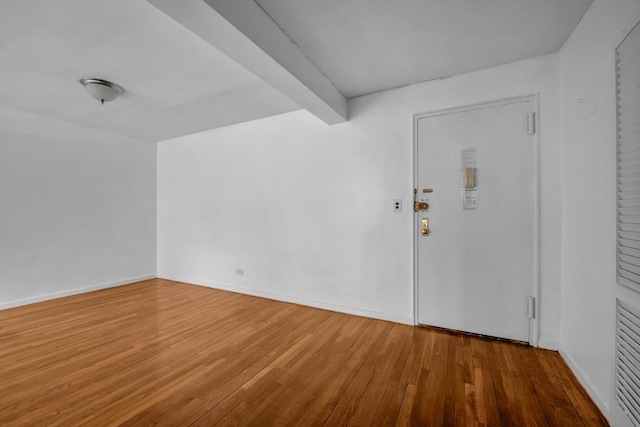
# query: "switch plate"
[[397, 205]]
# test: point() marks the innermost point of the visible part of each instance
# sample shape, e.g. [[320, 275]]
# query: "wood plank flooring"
[[166, 353]]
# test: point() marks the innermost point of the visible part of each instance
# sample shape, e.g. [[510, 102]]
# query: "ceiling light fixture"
[[101, 90]]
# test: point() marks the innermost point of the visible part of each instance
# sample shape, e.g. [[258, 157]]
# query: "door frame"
[[534, 324]]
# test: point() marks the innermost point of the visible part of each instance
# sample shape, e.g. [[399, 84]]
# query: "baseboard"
[[586, 383], [549, 345], [295, 300], [40, 298]]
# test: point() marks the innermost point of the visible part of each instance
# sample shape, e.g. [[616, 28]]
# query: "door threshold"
[[472, 334]]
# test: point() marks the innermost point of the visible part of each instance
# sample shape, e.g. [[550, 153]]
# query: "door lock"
[[425, 226], [420, 206]]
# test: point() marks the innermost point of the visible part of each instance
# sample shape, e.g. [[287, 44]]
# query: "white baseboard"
[[296, 300], [40, 298], [549, 345], [586, 383]]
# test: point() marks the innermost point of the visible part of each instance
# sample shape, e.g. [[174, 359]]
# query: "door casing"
[[534, 324]]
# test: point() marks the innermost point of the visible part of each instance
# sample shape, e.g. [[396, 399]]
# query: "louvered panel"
[[628, 158], [629, 239], [627, 177], [627, 53], [626, 83], [630, 195], [627, 219], [635, 244], [630, 162], [628, 361], [625, 87], [631, 123], [630, 251], [627, 352], [632, 134], [629, 227], [630, 131], [630, 202], [633, 211], [633, 64], [631, 156], [630, 267], [627, 278], [632, 389], [627, 344], [630, 113], [632, 333], [631, 261], [627, 188], [627, 165], [628, 152], [628, 58], [630, 399], [626, 50], [623, 400], [628, 147]]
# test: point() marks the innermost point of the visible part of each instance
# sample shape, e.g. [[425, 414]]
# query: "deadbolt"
[[420, 206]]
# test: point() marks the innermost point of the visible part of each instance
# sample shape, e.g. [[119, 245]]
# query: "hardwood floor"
[[168, 353]]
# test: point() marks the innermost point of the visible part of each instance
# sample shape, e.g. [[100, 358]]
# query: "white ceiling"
[[179, 61], [175, 83], [365, 46]]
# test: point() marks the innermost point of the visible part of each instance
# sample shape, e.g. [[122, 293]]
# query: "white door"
[[475, 267]]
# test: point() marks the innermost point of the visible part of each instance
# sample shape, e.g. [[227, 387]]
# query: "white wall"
[[306, 209], [589, 195], [77, 208]]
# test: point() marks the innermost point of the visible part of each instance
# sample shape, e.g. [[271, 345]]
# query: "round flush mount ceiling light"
[[101, 90]]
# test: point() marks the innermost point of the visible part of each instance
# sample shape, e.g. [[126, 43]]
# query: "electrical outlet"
[[397, 205], [240, 271]]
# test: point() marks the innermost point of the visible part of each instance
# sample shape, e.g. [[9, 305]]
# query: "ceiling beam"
[[245, 33]]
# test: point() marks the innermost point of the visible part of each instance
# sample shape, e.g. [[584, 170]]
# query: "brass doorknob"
[[425, 226]]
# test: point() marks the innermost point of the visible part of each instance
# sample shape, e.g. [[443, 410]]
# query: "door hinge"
[[531, 123], [531, 307]]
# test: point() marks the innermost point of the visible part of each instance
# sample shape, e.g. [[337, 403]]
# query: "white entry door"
[[475, 267]]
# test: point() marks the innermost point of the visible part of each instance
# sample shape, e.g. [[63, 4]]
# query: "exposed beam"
[[245, 33]]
